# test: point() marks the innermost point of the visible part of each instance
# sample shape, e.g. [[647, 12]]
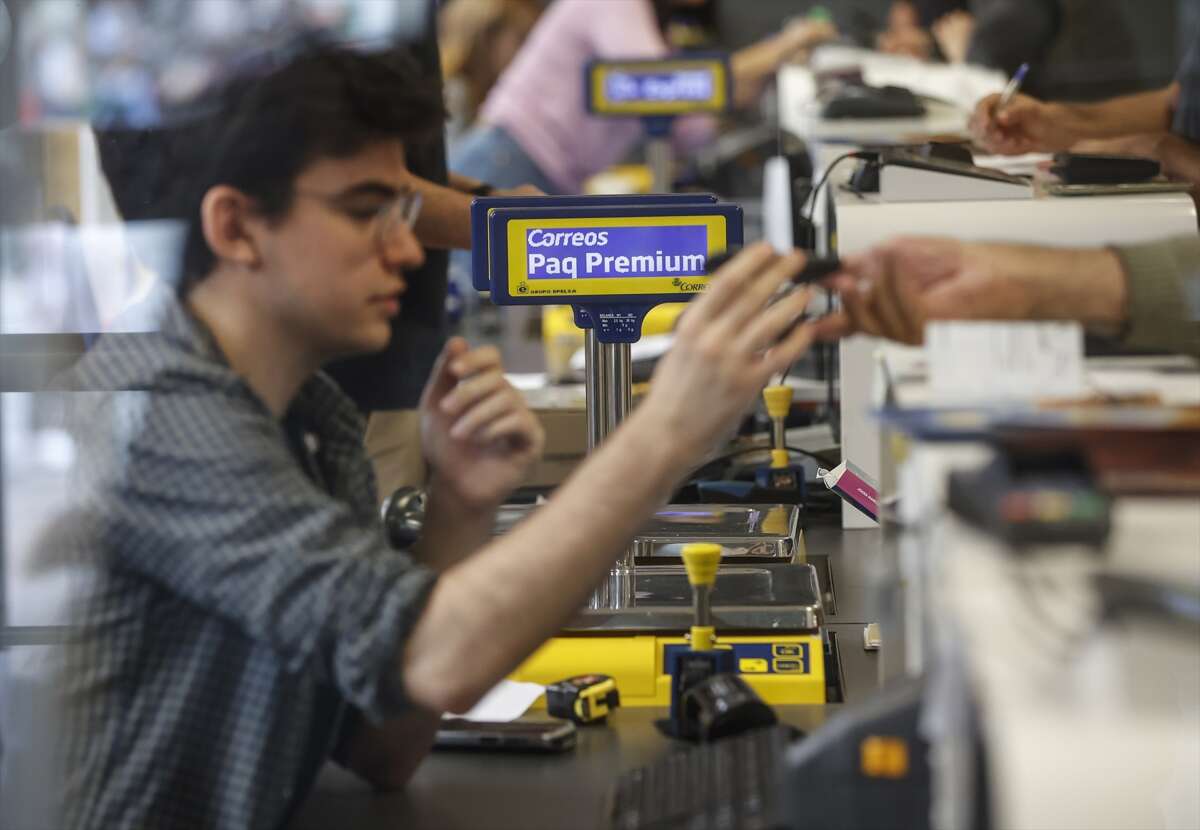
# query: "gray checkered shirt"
[[241, 603]]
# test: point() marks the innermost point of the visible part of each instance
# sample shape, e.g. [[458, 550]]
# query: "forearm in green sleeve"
[[1160, 316]]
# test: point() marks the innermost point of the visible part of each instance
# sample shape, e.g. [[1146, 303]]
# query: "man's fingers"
[[728, 282], [893, 311], [742, 310], [981, 119], [911, 297], [518, 427], [441, 380], [789, 350], [476, 361], [857, 304], [833, 326], [1020, 112], [471, 391], [774, 322], [498, 405], [884, 307]]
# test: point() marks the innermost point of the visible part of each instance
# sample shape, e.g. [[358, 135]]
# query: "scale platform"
[[769, 614], [747, 533]]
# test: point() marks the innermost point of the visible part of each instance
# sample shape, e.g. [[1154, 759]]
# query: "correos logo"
[[539, 238]]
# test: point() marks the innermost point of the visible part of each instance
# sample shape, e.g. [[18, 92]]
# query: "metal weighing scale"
[[612, 259]]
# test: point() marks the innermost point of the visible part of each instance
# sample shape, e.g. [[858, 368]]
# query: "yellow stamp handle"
[[701, 561], [778, 400]]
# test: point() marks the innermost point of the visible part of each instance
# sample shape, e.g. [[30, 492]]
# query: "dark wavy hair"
[[270, 119]]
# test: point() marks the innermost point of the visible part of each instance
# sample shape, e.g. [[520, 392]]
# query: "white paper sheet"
[[507, 701], [1026, 165], [992, 362]]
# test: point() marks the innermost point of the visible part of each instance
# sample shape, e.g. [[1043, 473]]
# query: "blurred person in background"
[[386, 385], [1163, 124], [906, 31], [534, 127], [478, 39], [1076, 49], [246, 619]]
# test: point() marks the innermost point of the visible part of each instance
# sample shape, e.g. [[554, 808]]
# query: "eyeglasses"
[[401, 211]]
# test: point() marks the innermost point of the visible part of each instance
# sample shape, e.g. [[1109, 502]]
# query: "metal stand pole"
[[609, 396], [660, 156], [609, 375], [596, 359]]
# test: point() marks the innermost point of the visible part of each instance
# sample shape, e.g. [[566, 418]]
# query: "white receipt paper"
[[987, 362], [507, 701]]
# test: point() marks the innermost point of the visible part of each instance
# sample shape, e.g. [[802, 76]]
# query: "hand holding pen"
[[1010, 124]]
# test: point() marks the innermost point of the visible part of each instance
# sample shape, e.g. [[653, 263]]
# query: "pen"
[[1013, 86]]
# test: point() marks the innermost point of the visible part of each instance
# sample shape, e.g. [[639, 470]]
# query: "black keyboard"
[[725, 785]]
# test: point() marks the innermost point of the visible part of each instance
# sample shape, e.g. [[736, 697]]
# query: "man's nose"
[[400, 248]]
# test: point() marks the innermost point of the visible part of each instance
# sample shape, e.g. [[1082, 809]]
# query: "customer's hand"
[[1025, 125], [727, 345], [1180, 158], [893, 290], [477, 432]]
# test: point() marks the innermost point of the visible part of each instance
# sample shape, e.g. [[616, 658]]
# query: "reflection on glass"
[[72, 268], [5, 31], [124, 61], [57, 278], [1191, 291]]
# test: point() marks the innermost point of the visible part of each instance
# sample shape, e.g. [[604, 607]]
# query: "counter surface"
[[507, 791]]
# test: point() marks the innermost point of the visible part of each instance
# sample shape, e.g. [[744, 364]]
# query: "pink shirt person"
[[539, 100]]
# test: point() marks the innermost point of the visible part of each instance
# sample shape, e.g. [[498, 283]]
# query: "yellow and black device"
[[784, 667], [705, 658], [585, 698], [776, 647]]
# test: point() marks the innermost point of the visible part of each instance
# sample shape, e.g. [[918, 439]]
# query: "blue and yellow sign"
[[480, 273], [579, 256], [658, 88]]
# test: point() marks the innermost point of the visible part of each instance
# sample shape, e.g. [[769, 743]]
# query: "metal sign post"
[[611, 263]]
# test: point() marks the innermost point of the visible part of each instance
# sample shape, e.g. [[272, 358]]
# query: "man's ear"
[[225, 219]]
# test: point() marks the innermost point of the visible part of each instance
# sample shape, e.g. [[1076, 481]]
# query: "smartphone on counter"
[[1060, 189], [515, 736]]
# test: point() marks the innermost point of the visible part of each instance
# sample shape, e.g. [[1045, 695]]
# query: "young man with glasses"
[[247, 619]]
